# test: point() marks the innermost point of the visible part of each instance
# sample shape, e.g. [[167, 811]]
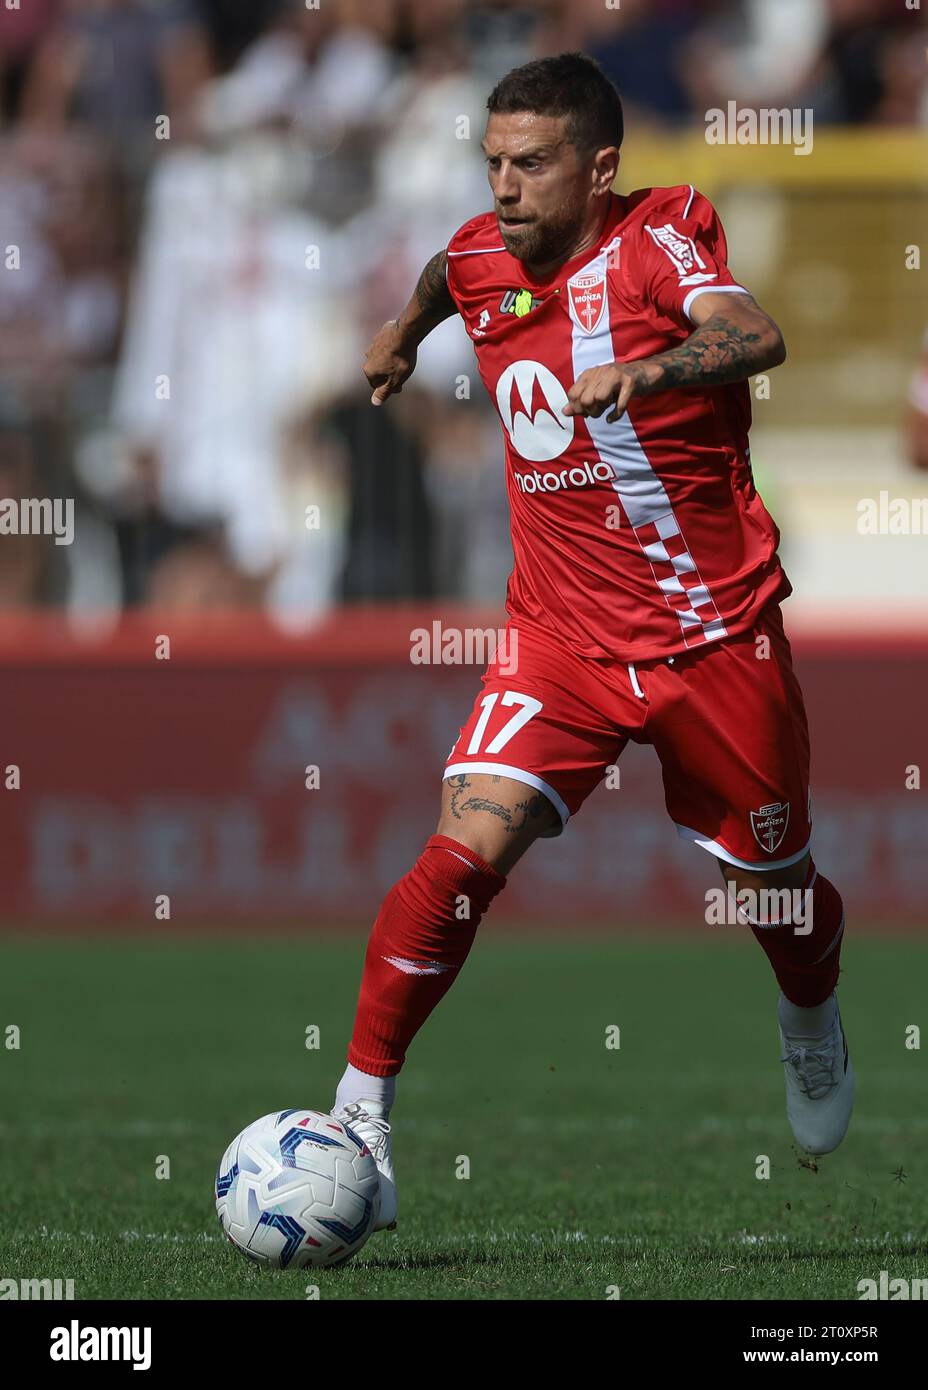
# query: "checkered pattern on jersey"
[[678, 579]]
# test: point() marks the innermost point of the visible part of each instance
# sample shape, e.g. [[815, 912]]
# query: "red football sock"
[[806, 963], [418, 944]]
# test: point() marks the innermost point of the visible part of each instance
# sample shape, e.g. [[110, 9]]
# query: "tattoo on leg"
[[514, 818]]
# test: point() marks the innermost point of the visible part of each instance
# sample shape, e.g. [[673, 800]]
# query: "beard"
[[543, 240]]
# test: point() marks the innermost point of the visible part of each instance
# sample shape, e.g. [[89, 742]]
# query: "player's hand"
[[598, 388], [390, 360]]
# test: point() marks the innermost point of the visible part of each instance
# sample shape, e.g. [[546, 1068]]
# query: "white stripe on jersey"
[[642, 494], [710, 289], [479, 251]]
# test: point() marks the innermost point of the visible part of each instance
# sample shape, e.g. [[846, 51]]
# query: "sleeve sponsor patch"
[[682, 253]]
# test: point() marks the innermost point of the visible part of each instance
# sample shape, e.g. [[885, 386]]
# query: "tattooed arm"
[[733, 339], [431, 301], [391, 357]]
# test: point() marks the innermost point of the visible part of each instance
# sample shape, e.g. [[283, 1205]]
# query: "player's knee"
[[485, 841], [783, 879], [771, 895]]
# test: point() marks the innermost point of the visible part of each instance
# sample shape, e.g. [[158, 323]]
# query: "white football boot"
[[368, 1120], [819, 1087]]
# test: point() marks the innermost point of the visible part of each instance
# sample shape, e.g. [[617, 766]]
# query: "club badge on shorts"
[[769, 825]]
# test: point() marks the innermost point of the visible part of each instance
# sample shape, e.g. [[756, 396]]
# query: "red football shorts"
[[727, 722]]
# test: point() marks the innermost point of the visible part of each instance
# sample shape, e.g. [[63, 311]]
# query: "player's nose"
[[506, 188]]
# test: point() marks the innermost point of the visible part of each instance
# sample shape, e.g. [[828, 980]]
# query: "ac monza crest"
[[769, 825], [587, 295]]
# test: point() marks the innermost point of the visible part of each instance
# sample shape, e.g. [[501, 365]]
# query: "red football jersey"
[[642, 538]]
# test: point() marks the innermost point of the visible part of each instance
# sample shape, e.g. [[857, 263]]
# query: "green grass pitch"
[[591, 1169]]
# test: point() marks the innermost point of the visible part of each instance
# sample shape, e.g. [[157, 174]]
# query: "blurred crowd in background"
[[216, 203]]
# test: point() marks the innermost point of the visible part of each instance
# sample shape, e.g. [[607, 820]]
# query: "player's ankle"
[[358, 1085]]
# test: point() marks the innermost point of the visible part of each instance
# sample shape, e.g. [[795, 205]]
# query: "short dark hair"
[[571, 85]]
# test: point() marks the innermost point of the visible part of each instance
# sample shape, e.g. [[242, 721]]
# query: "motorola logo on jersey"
[[581, 475], [530, 399]]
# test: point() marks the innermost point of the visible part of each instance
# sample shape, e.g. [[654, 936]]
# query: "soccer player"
[[616, 346]]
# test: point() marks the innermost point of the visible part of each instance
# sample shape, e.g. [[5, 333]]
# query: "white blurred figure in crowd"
[[242, 309], [757, 54]]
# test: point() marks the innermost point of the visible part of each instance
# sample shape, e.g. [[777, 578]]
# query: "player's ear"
[[605, 168]]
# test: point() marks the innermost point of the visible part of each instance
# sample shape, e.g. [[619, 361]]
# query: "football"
[[297, 1188]]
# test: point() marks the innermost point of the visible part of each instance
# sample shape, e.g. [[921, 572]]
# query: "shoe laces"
[[361, 1120], [814, 1067]]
